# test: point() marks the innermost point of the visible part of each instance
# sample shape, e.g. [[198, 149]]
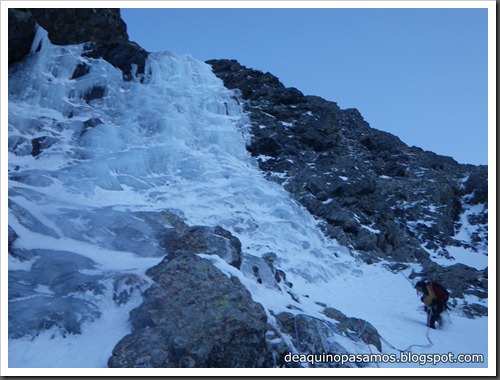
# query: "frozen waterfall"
[[88, 152]]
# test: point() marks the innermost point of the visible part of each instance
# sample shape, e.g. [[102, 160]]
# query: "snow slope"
[[174, 141]]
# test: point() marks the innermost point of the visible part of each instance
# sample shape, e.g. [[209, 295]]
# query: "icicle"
[[40, 39]]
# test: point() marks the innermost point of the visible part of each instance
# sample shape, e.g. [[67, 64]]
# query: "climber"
[[434, 297]]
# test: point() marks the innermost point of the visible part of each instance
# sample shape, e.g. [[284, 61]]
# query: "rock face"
[[313, 335], [21, 33], [102, 29], [207, 240], [364, 330], [194, 316], [70, 26], [372, 192]]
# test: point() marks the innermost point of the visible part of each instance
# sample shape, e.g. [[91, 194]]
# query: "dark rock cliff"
[[21, 33], [103, 31]]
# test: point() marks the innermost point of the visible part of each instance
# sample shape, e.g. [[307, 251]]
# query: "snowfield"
[[176, 142]]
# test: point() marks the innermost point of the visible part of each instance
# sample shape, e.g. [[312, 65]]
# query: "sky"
[[420, 74]]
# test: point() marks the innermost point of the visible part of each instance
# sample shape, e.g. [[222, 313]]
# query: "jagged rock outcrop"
[[102, 29], [363, 329], [207, 240], [194, 316], [313, 335]]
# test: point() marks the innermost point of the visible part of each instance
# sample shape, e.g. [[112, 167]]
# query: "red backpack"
[[441, 293]]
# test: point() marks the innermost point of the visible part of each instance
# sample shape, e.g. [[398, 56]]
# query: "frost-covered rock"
[[359, 328], [314, 336], [206, 240], [52, 294]]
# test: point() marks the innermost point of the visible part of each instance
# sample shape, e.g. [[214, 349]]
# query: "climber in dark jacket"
[[434, 304]]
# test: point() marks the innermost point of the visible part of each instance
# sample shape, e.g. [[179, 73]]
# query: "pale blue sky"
[[420, 74]]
